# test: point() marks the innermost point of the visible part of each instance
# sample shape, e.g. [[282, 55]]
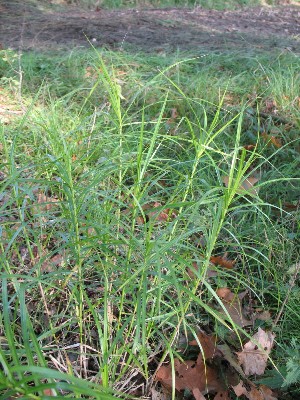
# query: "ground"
[[27, 25]]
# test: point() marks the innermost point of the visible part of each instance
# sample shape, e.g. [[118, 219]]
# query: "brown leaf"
[[246, 186], [271, 139], [270, 106], [156, 395], [208, 345], [232, 304], [249, 147], [163, 216], [223, 395], [192, 375], [267, 392], [198, 395], [52, 264], [260, 393], [255, 353], [222, 261], [240, 389], [263, 315], [44, 204], [210, 272], [229, 356]]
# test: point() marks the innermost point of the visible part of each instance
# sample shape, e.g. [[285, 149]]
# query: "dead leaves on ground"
[[222, 261], [254, 356], [195, 376], [246, 186], [233, 306], [207, 373], [254, 393], [154, 212]]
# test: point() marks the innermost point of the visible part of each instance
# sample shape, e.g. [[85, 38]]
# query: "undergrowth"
[[119, 176]]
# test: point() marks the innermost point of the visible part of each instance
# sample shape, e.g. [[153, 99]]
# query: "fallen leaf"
[[222, 261], [267, 392], [254, 393], [229, 356], [232, 304], [53, 264], [195, 376], [270, 106], [240, 389], [193, 271], [164, 215], [198, 395], [208, 345], [246, 186], [271, 139], [223, 395], [263, 315], [254, 356], [249, 147], [156, 395]]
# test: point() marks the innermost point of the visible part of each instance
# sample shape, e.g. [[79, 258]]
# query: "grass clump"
[[112, 191]]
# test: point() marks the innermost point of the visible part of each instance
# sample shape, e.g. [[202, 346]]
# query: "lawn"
[[149, 210]]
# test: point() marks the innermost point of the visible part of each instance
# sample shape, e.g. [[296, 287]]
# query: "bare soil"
[[27, 25]]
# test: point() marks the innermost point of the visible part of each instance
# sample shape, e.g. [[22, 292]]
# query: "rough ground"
[[27, 25]]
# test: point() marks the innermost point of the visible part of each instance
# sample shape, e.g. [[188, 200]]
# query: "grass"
[[112, 186], [210, 4]]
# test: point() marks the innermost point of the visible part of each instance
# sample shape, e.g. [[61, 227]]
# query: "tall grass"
[[95, 281]]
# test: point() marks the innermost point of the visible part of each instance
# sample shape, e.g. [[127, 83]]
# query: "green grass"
[[94, 285], [210, 4]]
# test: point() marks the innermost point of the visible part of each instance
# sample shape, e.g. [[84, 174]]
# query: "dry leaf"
[[156, 395], [223, 395], [52, 264], [240, 389], [260, 393], [249, 147], [163, 216], [267, 392], [232, 304], [195, 376], [270, 106], [193, 272], [231, 358], [271, 139], [255, 354], [246, 186], [263, 315], [208, 345], [222, 261]]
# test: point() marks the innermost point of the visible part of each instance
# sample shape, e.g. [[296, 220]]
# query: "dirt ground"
[[27, 25]]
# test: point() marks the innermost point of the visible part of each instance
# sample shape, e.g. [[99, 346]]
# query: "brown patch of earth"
[[29, 26]]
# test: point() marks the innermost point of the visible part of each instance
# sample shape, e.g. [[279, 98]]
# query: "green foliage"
[[94, 284], [210, 4], [292, 364]]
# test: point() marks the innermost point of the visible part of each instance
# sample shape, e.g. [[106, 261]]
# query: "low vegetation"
[[149, 223]]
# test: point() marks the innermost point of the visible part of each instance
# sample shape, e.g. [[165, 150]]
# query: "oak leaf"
[[253, 393], [255, 353], [233, 305], [223, 395], [196, 376], [208, 345]]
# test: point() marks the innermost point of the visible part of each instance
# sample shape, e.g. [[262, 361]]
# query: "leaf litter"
[[218, 368]]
